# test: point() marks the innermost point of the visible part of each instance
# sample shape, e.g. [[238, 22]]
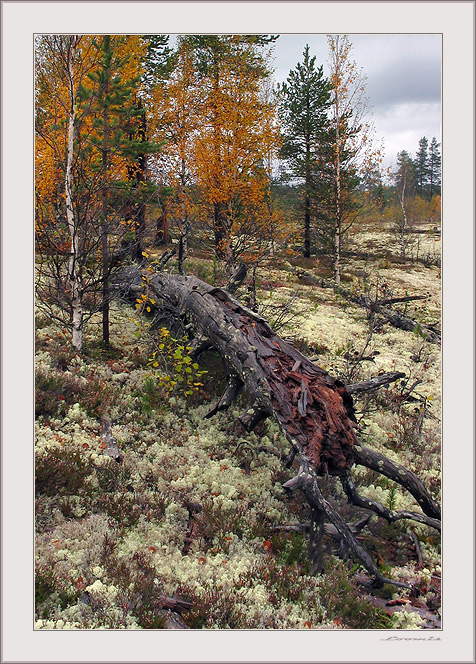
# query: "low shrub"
[[61, 472], [344, 605], [55, 391]]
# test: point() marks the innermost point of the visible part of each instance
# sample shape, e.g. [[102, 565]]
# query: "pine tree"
[[118, 144], [304, 103]]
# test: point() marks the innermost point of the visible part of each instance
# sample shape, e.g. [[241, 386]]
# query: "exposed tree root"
[[394, 471], [382, 511]]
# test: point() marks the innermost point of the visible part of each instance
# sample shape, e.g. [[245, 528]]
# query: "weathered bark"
[[236, 278], [382, 511], [394, 471], [316, 533], [374, 383], [314, 410], [306, 480], [329, 529], [109, 443]]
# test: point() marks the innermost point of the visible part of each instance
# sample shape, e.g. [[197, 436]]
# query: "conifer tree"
[[434, 169], [118, 138], [421, 167], [304, 103]]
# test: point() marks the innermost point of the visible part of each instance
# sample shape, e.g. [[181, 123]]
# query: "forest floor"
[[190, 511]]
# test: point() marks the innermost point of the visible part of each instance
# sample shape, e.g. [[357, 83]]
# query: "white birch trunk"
[[337, 228], [403, 228], [73, 273]]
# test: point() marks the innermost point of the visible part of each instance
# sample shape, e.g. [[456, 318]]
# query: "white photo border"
[[20, 21]]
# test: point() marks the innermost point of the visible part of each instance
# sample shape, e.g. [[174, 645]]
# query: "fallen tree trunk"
[[314, 410]]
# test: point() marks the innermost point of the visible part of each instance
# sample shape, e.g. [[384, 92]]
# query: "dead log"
[[374, 383], [314, 410]]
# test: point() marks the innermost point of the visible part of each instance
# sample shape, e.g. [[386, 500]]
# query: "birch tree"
[[234, 113], [176, 117], [62, 63], [74, 276], [353, 152], [84, 149], [404, 185]]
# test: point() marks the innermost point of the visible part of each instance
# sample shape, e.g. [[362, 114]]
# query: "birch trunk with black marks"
[[74, 276], [314, 410]]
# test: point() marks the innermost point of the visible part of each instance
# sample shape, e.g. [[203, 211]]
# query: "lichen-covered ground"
[[192, 510]]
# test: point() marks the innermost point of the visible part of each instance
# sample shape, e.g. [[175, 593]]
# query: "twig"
[[164, 259]]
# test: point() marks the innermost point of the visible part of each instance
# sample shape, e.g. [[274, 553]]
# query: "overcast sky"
[[403, 82]]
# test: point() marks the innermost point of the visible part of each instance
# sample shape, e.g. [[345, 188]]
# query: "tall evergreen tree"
[[434, 169], [304, 101], [118, 140], [421, 167]]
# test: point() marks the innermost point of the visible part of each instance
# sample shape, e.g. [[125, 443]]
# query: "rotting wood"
[[314, 411]]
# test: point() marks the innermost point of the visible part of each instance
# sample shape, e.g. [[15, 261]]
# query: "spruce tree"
[[434, 168], [421, 168]]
